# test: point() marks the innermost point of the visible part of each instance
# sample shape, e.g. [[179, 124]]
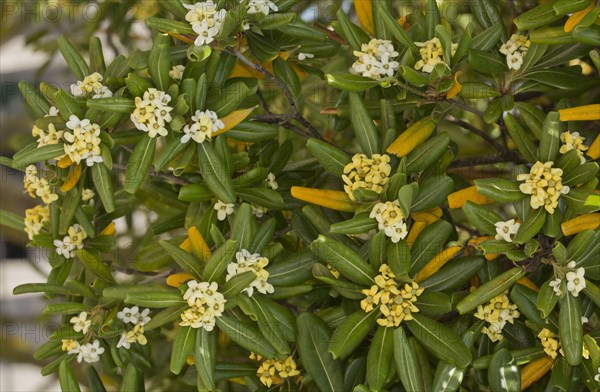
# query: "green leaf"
[[137, 85], [75, 62], [66, 377], [217, 263], [26, 157], [570, 328], [522, 139], [132, 378], [155, 299], [139, 164], [407, 362], [582, 201], [183, 345], [343, 259], [94, 381], [546, 300], [68, 208], [14, 221], [351, 333], [432, 192], [331, 158], [550, 139], [92, 262], [292, 270], [171, 26], [454, 274], [486, 62], [525, 299], [490, 289], [245, 335], [380, 358], [357, 225], [488, 38], [103, 186], [235, 285], [34, 100], [65, 308], [159, 61], [440, 340], [165, 316], [429, 243], [313, 335], [581, 174], [349, 82], [427, 153], [536, 17], [499, 189], [481, 217], [478, 90], [351, 32], [185, 260], [205, 356], [503, 373], [214, 173], [112, 104], [364, 127], [269, 328], [531, 226]]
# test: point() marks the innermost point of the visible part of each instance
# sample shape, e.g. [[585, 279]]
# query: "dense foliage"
[[407, 203]]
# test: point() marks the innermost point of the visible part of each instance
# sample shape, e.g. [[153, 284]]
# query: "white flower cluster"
[[544, 184], [152, 112], [205, 123], [261, 7], [575, 280], [223, 209], [35, 219], [254, 263], [431, 54], [497, 313], [38, 187], [390, 218], [206, 21], [138, 319], [376, 59], [89, 352], [206, 304], [573, 141], [84, 141], [71, 242], [47, 137], [176, 72], [271, 181], [506, 230], [515, 50], [91, 87]]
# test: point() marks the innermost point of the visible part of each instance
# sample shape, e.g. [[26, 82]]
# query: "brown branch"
[[508, 156], [476, 131]]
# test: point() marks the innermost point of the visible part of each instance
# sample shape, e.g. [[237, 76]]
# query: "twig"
[[508, 156], [466, 107], [476, 131], [294, 113]]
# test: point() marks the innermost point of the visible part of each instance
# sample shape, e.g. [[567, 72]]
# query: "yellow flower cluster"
[[366, 173], [35, 218], [572, 141], [152, 112], [91, 87], [544, 184], [431, 54], [136, 335], [46, 137], [497, 313], [275, 371], [38, 187], [551, 344], [69, 344], [83, 141], [515, 50], [390, 217], [395, 303], [206, 304]]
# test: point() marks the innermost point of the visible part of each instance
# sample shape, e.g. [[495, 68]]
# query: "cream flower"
[[544, 184], [575, 281], [304, 56], [223, 209], [271, 182], [515, 50], [247, 262], [206, 305], [152, 112], [431, 54], [89, 352], [375, 60], [87, 195], [366, 173], [176, 72], [81, 323], [38, 187], [91, 87], [573, 141], [47, 137], [206, 21], [83, 142], [506, 230], [497, 313], [261, 7], [35, 219], [205, 124], [555, 284]]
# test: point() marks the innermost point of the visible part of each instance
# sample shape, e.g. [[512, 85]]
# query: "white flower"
[[514, 60], [576, 281], [223, 209], [597, 376], [89, 352], [176, 72], [53, 111], [506, 230], [555, 284], [129, 315], [143, 317], [304, 56], [374, 60], [432, 54], [584, 320], [390, 219], [87, 194], [271, 183], [91, 87], [261, 6], [206, 21], [246, 262], [258, 211], [205, 124], [206, 304], [152, 112], [83, 142], [81, 323], [65, 248], [124, 342]]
